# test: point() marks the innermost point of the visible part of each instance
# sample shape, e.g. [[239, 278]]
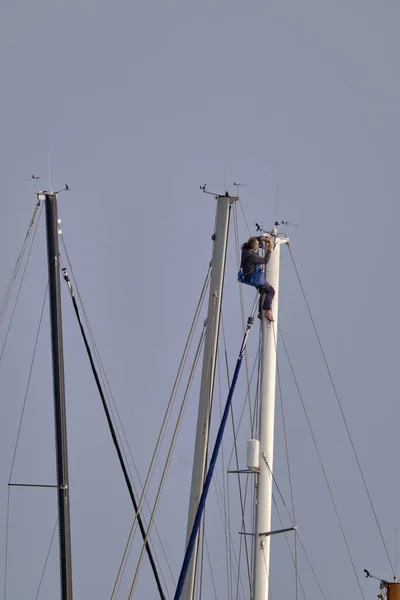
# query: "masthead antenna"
[[49, 169]]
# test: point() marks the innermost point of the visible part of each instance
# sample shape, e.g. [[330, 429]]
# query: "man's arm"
[[260, 260]]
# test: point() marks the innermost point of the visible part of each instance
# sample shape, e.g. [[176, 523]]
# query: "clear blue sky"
[[139, 103]]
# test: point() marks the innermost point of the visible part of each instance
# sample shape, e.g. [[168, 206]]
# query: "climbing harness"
[[256, 280]]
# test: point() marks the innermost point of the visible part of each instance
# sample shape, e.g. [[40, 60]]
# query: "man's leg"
[[269, 292]]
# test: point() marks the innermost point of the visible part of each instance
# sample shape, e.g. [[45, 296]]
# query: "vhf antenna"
[[205, 191]]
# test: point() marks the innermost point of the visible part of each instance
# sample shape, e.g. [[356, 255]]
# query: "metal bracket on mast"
[[226, 195], [246, 471], [267, 533]]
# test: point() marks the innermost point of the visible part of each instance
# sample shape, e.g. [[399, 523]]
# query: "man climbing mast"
[[252, 272]]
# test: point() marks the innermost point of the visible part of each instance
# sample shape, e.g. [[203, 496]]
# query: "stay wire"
[[129, 541], [114, 410], [114, 437], [169, 455], [169, 406], [292, 555], [32, 238], [200, 577], [6, 548], [242, 503], [287, 457], [228, 537], [211, 467], [244, 405], [321, 464], [244, 217], [228, 557], [341, 410], [211, 569], [235, 449], [18, 436], [298, 535], [17, 266], [246, 361], [47, 560], [238, 581], [29, 381]]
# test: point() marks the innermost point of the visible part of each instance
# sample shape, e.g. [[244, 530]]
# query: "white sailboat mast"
[[220, 239], [266, 433]]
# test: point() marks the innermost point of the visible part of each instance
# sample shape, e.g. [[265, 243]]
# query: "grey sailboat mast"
[[218, 261], [64, 523]]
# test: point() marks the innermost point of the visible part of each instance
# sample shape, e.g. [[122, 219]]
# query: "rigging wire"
[[166, 416], [322, 464], [221, 506], [287, 461], [29, 381], [169, 455], [222, 502], [299, 538], [114, 437], [242, 503], [235, 449], [32, 237], [210, 471], [341, 409], [7, 294], [18, 436], [244, 406], [6, 548], [225, 499], [244, 217], [293, 555], [47, 559], [177, 380], [211, 569], [200, 573], [114, 408], [246, 362]]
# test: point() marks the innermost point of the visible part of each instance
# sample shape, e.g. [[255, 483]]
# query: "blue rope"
[[210, 472]]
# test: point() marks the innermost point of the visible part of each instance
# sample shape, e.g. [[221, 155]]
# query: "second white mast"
[[266, 433]]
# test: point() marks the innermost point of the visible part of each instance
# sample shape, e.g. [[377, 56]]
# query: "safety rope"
[[114, 437], [210, 471], [341, 409]]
